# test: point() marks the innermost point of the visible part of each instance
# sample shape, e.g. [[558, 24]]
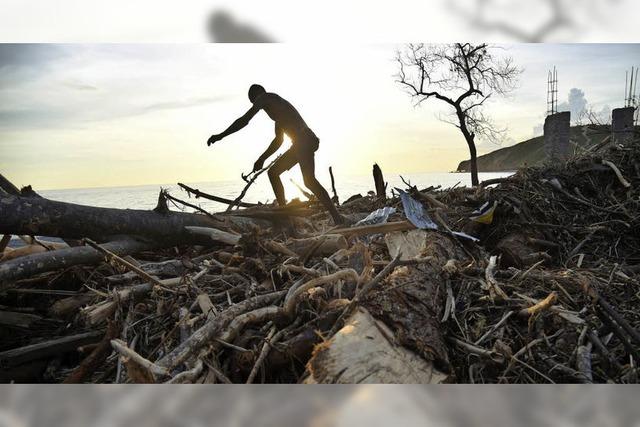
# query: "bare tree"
[[464, 76]]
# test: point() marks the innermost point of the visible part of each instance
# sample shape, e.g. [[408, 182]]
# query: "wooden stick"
[[492, 283], [474, 349], [4, 242], [364, 291], [43, 350], [254, 175], [277, 247], [121, 347], [212, 328], [263, 354], [187, 376], [126, 264], [623, 181], [218, 199], [494, 328], [306, 194], [206, 306], [378, 179], [216, 235], [300, 269], [493, 181], [333, 186], [192, 206], [583, 363], [430, 199], [97, 357], [388, 269], [290, 301], [30, 265], [540, 306], [376, 228]]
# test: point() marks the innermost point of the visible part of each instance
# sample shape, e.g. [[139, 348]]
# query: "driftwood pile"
[[550, 293]]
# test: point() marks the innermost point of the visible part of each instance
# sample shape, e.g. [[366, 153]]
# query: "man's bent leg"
[[284, 163], [307, 166]]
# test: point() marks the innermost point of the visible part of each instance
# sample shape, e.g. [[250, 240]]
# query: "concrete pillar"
[[557, 128], [622, 125]]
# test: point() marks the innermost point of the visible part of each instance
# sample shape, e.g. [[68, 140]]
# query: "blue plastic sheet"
[[414, 211]]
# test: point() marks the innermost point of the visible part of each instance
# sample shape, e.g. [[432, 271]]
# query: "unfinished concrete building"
[[557, 129], [622, 125]]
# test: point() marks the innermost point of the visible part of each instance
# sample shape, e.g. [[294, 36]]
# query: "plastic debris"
[[415, 212], [484, 215], [379, 216], [465, 236]]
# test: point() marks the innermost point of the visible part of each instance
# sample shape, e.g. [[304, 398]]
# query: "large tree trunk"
[[470, 139], [43, 217], [410, 304], [473, 162]]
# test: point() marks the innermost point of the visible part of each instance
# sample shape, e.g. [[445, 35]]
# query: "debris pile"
[[527, 279]]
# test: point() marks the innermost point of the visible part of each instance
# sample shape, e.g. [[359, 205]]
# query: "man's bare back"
[[283, 114], [287, 121]]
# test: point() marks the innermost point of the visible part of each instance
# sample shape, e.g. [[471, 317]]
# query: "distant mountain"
[[531, 152]]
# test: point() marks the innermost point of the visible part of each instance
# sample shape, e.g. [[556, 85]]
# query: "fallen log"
[[396, 336], [67, 307], [27, 191], [18, 320], [31, 249], [30, 265], [7, 186], [46, 349], [43, 217], [324, 245], [363, 352]]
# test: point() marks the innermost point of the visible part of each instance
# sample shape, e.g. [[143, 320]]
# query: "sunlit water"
[[146, 196]]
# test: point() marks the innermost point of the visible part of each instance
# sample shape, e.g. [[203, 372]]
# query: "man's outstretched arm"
[[235, 126], [272, 148]]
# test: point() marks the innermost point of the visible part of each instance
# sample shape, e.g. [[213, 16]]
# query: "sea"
[[146, 196]]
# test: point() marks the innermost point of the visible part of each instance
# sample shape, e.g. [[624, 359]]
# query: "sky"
[[99, 115], [364, 21]]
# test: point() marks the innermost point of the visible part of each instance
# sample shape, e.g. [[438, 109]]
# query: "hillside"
[[531, 152]]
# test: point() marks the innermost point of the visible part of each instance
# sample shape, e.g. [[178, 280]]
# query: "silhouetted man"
[[304, 145]]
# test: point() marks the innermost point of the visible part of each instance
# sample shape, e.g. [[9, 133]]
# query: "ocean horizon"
[[146, 196]]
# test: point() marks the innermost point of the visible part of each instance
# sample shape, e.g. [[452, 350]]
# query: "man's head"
[[255, 91]]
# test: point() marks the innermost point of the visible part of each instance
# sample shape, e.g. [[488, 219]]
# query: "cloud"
[[28, 55], [174, 105], [79, 86], [581, 110], [576, 104], [538, 130], [24, 62], [42, 117]]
